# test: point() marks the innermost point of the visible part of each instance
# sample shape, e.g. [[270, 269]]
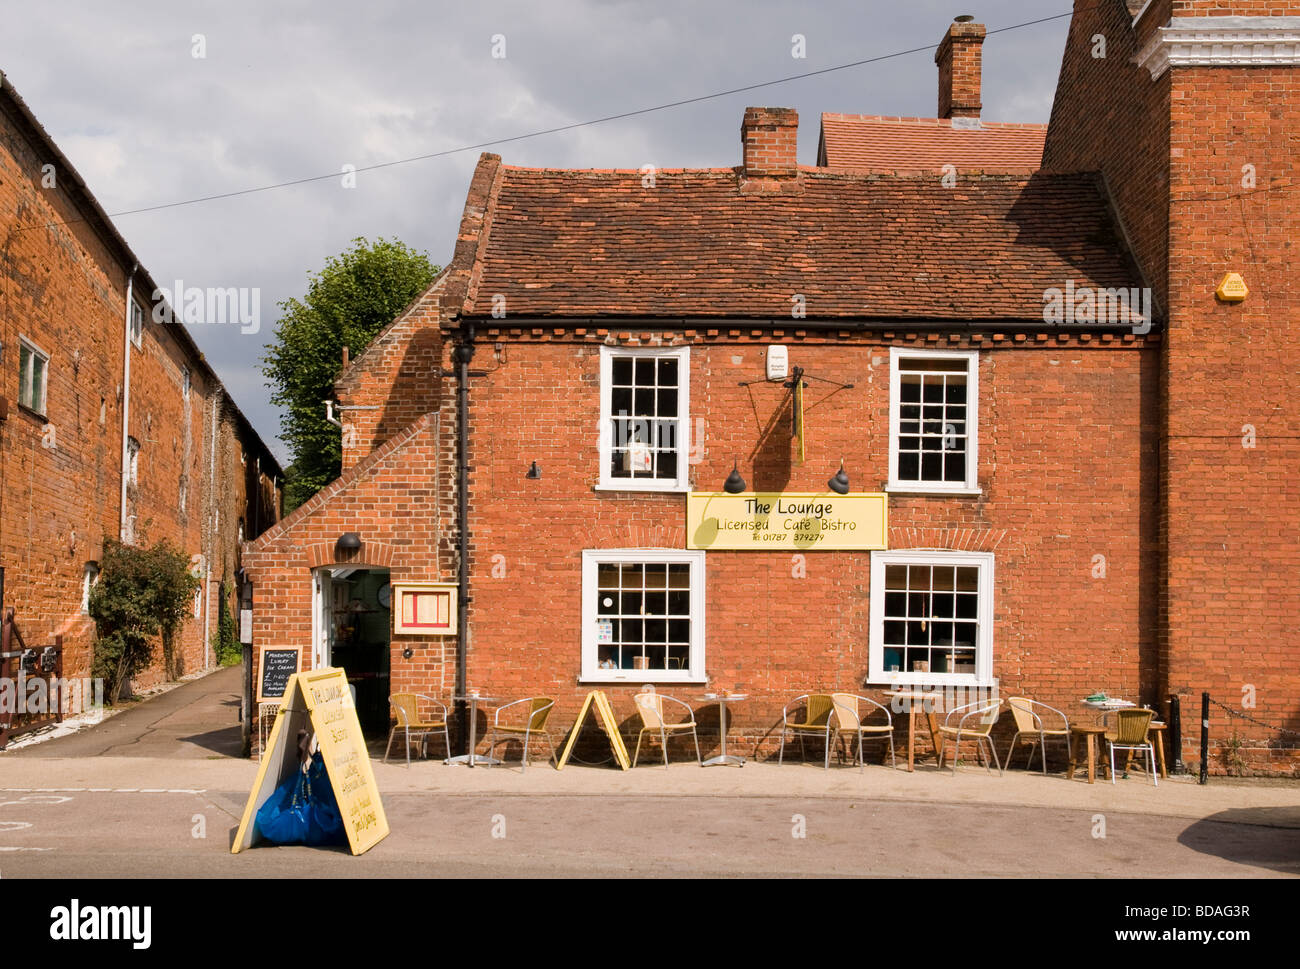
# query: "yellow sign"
[[605, 714], [787, 522], [322, 699], [1232, 289]]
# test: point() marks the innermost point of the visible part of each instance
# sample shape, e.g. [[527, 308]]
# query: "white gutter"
[[126, 401]]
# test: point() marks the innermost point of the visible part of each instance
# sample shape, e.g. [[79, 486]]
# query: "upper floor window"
[[933, 420], [89, 579], [644, 411], [137, 324], [133, 461], [185, 384], [33, 371]]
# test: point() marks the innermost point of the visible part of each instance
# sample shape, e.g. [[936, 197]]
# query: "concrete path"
[[196, 720]]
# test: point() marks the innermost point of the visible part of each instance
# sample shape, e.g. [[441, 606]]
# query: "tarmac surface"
[[156, 791]]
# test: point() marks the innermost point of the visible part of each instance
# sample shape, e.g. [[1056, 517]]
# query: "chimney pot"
[[770, 141], [960, 64]]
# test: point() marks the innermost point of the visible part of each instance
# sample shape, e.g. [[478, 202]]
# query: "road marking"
[[7, 826], [17, 848]]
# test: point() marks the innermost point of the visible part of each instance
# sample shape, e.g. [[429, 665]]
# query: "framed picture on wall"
[[424, 609]]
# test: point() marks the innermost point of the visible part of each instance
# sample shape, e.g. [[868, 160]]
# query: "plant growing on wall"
[[357, 294], [142, 597], [225, 644]]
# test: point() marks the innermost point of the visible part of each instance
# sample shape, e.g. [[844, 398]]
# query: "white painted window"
[[89, 579], [931, 618], [132, 461], [934, 421], [137, 325], [33, 375], [642, 616], [644, 419]]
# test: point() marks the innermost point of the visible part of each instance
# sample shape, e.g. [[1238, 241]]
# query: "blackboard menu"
[[276, 666]]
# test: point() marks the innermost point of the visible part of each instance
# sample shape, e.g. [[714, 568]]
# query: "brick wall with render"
[[1228, 608], [1067, 463]]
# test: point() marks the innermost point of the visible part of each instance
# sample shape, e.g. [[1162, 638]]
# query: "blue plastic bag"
[[302, 810]]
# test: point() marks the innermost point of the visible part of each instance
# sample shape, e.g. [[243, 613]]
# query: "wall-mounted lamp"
[[840, 483], [734, 484], [348, 542], [534, 472]]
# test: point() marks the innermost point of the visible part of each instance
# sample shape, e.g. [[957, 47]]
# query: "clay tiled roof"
[[574, 243], [868, 143]]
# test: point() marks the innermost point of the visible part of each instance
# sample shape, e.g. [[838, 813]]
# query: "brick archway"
[[374, 554]]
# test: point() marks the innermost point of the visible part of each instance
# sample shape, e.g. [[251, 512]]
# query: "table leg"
[[1092, 758], [1160, 753], [1069, 773], [933, 721], [473, 730], [911, 736]]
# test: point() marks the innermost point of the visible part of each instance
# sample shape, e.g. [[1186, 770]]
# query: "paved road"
[[179, 833], [196, 719]]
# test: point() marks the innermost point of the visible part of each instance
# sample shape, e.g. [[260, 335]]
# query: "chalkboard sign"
[[276, 664]]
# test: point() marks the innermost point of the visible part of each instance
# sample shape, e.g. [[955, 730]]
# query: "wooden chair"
[[1032, 732], [817, 709], [846, 721], [1132, 732], [651, 708], [539, 711], [406, 710], [975, 722]]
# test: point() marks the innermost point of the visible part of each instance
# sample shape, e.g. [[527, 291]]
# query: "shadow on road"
[[1262, 837]]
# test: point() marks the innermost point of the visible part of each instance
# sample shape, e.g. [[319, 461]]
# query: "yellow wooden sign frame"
[[605, 715], [321, 701]]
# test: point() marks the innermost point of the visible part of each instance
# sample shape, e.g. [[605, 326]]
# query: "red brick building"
[[1083, 453], [113, 425]]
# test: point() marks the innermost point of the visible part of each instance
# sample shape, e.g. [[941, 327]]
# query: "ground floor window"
[[932, 617], [642, 615]]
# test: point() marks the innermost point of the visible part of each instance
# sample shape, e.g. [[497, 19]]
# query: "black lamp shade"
[[534, 472], [840, 483], [348, 542], [734, 484]]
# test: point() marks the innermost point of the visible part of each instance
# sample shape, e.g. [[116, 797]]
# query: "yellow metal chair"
[[539, 711], [1132, 732], [845, 720], [974, 721], [1033, 732], [406, 710], [817, 709], [651, 708]]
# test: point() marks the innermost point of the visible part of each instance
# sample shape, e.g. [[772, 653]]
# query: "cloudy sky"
[[289, 88]]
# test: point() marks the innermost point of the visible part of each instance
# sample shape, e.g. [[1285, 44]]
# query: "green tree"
[[349, 301], [143, 594]]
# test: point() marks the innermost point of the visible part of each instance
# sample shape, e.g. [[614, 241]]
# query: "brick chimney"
[[770, 139], [959, 62]]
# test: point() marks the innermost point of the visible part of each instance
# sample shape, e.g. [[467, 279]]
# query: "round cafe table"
[[722, 700], [918, 701], [469, 757]]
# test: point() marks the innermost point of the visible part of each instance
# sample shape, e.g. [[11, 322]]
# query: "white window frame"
[[971, 485], [25, 391], [137, 325], [592, 559], [983, 675], [682, 483], [89, 579]]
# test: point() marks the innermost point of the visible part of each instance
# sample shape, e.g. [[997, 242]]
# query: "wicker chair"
[[1031, 730], [1132, 732], [845, 720], [651, 708], [406, 710], [539, 711], [817, 709], [974, 721]]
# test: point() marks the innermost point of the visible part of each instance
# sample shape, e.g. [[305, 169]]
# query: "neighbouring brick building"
[[1083, 491], [113, 425]]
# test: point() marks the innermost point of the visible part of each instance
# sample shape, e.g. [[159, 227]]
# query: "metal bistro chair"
[[1031, 731], [975, 721], [817, 709], [651, 708], [845, 720], [1132, 732], [405, 708], [539, 710]]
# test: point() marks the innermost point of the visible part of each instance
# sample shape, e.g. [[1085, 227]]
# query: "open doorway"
[[353, 631]]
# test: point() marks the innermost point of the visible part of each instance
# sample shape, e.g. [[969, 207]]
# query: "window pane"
[[896, 604], [668, 403], [668, 372], [622, 371], [679, 576], [656, 576], [968, 579], [645, 372], [896, 577]]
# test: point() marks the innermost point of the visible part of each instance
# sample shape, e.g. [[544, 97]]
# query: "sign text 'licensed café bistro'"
[[775, 522]]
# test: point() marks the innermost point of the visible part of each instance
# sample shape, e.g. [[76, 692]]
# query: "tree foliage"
[[347, 303], [143, 595]]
